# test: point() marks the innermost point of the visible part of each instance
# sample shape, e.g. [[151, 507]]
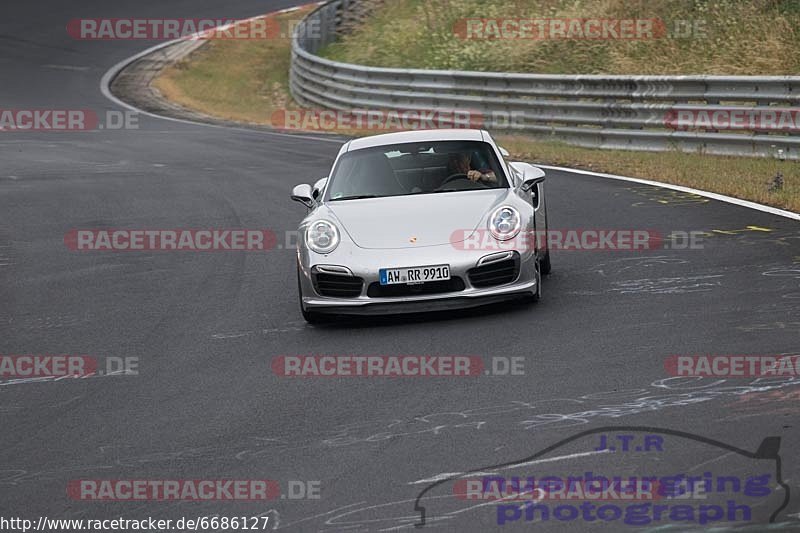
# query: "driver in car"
[[459, 163]]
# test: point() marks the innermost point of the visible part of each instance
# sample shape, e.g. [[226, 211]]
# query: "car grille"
[[376, 290], [338, 285], [497, 273]]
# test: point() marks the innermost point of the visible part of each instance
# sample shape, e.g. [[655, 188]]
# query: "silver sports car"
[[420, 221]]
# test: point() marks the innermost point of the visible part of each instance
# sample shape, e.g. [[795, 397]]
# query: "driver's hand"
[[490, 177], [474, 175]]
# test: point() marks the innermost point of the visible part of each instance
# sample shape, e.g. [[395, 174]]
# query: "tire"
[[545, 264], [309, 316], [546, 267], [536, 296]]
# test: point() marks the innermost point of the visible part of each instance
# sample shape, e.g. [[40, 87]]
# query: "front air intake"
[[495, 273], [337, 285]]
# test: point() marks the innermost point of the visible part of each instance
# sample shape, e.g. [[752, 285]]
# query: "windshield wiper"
[[359, 197], [462, 190]]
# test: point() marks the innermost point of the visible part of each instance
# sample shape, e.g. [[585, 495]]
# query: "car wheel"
[[309, 316], [537, 295], [545, 264]]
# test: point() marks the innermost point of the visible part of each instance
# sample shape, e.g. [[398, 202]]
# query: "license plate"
[[414, 275]]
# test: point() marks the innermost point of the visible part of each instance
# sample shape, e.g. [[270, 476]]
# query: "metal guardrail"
[[599, 111]]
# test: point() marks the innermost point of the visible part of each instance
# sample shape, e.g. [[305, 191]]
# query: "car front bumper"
[[366, 264]]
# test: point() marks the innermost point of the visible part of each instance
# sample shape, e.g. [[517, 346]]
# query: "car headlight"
[[322, 236], [505, 223]]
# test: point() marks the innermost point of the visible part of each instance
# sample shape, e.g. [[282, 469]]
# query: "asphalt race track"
[[205, 328]]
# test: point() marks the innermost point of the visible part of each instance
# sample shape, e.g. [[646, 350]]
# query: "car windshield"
[[416, 168]]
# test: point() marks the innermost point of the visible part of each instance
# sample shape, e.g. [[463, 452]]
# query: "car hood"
[[414, 221]]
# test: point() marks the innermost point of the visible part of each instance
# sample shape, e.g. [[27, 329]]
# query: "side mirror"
[[302, 193], [318, 188], [531, 178], [503, 151]]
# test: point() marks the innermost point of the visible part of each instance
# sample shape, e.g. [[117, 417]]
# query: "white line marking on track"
[[66, 67]]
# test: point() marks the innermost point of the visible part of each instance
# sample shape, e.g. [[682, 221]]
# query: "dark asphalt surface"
[[205, 326]]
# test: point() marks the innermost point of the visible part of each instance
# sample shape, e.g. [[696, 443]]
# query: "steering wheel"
[[454, 177]]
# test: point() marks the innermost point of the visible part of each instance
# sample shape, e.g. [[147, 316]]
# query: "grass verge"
[[740, 177], [241, 80], [689, 37]]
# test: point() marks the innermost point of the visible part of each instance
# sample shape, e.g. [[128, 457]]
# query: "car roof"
[[416, 136]]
